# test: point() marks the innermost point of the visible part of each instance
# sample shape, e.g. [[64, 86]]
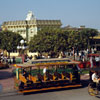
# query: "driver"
[[25, 74]]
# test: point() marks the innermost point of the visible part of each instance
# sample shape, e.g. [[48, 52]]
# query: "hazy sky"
[[70, 12]]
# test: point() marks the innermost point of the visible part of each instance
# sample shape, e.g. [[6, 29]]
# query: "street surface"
[[68, 94], [6, 79]]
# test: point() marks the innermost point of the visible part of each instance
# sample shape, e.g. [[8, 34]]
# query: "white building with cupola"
[[28, 28]]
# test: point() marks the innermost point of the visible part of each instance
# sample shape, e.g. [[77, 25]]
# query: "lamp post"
[[74, 53], [21, 48], [26, 30]]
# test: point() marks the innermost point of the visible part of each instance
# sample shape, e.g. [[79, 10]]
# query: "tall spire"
[[30, 16]]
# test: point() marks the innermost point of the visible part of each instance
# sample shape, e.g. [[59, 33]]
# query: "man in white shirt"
[[96, 80], [95, 77]]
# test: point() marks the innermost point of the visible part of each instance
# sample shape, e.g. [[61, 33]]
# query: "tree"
[[9, 40], [48, 40], [88, 34], [80, 39]]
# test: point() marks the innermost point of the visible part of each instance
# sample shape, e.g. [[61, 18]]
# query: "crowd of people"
[[7, 60], [12, 60], [82, 54], [79, 55], [75, 54]]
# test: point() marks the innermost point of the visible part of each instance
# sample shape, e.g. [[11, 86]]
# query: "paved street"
[[6, 79], [69, 94]]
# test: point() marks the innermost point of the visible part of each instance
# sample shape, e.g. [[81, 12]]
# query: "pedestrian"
[[14, 60], [80, 56]]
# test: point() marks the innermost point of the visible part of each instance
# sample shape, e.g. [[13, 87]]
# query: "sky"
[[71, 12]]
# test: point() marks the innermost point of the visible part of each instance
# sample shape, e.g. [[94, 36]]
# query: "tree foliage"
[[61, 40], [9, 40], [48, 40], [80, 39]]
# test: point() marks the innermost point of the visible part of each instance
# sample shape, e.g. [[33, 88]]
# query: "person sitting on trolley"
[[25, 74], [96, 79]]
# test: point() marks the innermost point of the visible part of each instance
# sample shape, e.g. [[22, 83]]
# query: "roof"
[[56, 63], [33, 22], [48, 22], [19, 22], [51, 60], [48, 62]]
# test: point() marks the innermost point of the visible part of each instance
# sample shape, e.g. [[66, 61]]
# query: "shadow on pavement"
[[0, 88], [98, 97], [84, 83], [5, 75], [54, 90]]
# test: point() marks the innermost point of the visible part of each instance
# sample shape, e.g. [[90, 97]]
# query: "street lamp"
[[26, 30], [21, 48], [22, 41], [74, 53]]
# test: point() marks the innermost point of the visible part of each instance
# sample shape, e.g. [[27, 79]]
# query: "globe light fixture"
[[21, 48]]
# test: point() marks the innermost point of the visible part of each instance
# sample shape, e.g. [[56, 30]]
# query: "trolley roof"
[[47, 62]]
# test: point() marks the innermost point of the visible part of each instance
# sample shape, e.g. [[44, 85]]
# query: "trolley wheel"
[[92, 91]]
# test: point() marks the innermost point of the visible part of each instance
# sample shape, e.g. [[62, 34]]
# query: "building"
[[95, 41], [28, 28], [68, 27]]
